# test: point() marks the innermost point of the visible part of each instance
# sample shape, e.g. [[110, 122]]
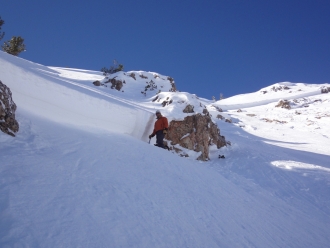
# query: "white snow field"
[[81, 173]]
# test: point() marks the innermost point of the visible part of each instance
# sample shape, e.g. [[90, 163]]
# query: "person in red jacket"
[[160, 129]]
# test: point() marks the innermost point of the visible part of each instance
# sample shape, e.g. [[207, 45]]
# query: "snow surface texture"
[[80, 172]]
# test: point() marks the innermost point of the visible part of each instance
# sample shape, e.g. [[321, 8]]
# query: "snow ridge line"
[[264, 102]]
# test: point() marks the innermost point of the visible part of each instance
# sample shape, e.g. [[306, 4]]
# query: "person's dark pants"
[[160, 138]]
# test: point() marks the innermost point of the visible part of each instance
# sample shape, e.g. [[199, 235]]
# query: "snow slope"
[[80, 172], [303, 127]]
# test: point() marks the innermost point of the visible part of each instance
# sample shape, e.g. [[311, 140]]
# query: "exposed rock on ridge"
[[283, 104], [189, 109], [8, 123], [116, 84], [325, 89], [147, 82]]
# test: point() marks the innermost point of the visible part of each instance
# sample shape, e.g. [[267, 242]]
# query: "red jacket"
[[160, 124]]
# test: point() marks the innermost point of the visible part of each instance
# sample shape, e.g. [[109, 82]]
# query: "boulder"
[[8, 123], [196, 132], [97, 83], [189, 109], [206, 112]]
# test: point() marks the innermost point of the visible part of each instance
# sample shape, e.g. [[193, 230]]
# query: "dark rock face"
[[8, 123], [197, 133]]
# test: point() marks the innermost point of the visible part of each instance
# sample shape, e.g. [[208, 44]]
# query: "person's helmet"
[[158, 112]]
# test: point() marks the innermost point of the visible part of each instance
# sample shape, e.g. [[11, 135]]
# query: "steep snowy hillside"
[[80, 172]]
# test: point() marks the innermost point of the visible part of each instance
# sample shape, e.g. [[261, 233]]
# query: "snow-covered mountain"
[[81, 173]]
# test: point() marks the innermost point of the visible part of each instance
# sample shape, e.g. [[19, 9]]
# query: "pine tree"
[[15, 46], [1, 33]]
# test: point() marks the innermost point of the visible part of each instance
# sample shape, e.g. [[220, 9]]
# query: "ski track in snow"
[[75, 177]]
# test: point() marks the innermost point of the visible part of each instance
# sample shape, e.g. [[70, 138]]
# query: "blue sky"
[[208, 47]]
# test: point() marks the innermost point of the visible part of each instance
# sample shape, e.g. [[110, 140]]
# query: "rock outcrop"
[[283, 104], [8, 123], [116, 84], [196, 132], [189, 109], [217, 108], [325, 89], [148, 83], [173, 88], [280, 88]]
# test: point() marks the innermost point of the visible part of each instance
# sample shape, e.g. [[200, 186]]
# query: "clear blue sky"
[[208, 47]]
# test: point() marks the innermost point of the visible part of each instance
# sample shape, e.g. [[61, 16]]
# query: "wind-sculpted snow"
[[43, 92]]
